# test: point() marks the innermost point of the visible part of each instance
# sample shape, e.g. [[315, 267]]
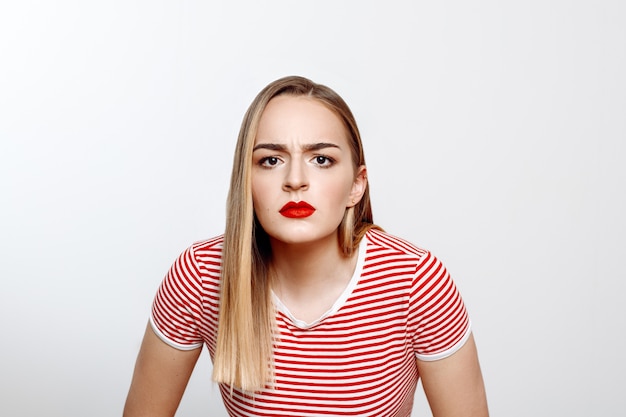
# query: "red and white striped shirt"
[[358, 359]]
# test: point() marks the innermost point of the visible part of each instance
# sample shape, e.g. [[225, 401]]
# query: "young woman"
[[306, 307]]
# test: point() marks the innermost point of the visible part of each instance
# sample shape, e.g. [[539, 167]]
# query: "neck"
[[309, 278], [309, 268]]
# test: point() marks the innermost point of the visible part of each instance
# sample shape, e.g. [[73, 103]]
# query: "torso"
[[350, 357], [356, 359]]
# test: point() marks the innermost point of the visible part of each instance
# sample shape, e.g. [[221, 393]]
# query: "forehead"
[[299, 117]]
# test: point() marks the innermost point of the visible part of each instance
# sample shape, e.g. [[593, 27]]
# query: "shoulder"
[[381, 243], [198, 261], [209, 247], [207, 252], [391, 256], [386, 251]]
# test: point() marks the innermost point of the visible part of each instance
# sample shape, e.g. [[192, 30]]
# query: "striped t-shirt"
[[358, 359]]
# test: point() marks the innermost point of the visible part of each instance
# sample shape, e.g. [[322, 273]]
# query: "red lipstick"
[[297, 210]]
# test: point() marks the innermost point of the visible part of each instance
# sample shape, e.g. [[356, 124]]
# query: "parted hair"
[[246, 329]]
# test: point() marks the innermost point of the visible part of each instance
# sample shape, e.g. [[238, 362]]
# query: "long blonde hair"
[[245, 337]]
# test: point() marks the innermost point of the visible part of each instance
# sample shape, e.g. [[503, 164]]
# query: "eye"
[[323, 161], [269, 161]]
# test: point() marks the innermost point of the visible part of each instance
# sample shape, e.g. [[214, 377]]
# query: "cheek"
[[263, 200], [339, 191], [259, 193]]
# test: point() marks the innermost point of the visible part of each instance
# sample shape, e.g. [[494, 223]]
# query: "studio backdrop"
[[494, 132]]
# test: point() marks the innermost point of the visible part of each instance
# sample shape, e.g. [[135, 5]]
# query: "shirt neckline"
[[339, 302]]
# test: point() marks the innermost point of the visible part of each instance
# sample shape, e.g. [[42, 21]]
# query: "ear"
[[358, 186]]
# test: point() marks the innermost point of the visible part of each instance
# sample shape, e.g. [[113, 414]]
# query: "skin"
[[160, 378], [302, 153], [289, 164], [454, 386]]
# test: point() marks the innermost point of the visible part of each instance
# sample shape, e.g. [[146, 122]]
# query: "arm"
[[160, 377], [454, 385]]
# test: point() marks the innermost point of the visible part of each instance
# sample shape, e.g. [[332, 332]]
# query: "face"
[[303, 176]]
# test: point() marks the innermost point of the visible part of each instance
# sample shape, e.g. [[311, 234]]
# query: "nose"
[[295, 177]]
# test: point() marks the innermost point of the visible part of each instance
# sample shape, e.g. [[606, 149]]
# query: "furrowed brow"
[[319, 146], [307, 148], [270, 146]]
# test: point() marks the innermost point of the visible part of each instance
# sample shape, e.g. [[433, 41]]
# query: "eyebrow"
[[308, 147]]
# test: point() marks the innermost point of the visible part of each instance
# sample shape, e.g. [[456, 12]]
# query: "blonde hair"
[[245, 336]]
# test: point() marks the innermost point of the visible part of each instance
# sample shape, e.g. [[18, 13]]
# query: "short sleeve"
[[438, 317], [177, 306]]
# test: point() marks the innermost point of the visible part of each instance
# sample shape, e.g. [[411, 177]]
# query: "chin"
[[303, 238]]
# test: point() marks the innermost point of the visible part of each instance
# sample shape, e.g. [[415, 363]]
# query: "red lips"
[[297, 210]]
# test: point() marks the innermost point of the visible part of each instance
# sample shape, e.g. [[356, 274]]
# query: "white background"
[[495, 134]]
